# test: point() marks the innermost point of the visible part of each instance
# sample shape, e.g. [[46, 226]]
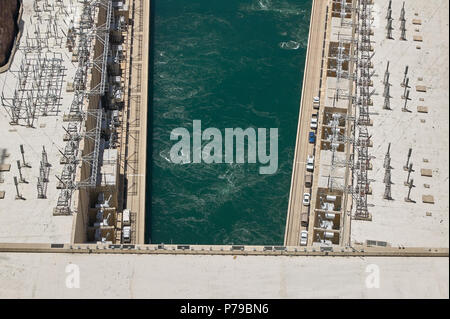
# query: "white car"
[[306, 199], [314, 122], [304, 238], [310, 163], [316, 102], [126, 217], [126, 234]]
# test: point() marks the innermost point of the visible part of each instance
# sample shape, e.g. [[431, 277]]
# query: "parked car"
[[316, 102], [127, 234], [304, 218], [314, 122], [304, 238], [126, 217], [310, 163], [306, 199], [308, 180], [312, 137]]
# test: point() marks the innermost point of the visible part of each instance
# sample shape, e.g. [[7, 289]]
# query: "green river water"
[[230, 64]]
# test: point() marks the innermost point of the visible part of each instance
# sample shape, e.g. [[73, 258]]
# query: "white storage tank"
[[331, 198], [330, 216], [328, 235]]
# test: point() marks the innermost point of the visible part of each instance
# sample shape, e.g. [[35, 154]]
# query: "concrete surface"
[[32, 220], [134, 137], [396, 221], [310, 89], [115, 276]]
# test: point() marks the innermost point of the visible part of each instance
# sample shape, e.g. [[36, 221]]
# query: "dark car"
[[312, 137]]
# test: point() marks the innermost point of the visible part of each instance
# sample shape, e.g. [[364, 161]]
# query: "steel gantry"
[[362, 101], [38, 88], [92, 53]]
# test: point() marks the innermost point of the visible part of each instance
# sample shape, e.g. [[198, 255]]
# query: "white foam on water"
[[290, 45], [264, 4], [280, 7], [165, 156]]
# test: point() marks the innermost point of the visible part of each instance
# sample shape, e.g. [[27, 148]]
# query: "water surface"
[[228, 63]]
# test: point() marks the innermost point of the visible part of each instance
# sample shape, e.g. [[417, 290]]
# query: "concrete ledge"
[[426, 172], [5, 167], [355, 251], [422, 109], [421, 88], [428, 199]]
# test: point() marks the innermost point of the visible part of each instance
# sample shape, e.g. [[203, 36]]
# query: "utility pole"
[[23, 157], [405, 74], [40, 188], [389, 10], [389, 21], [407, 161], [405, 109], [387, 173], [402, 12], [43, 173], [18, 195], [386, 86], [403, 23], [387, 176], [406, 88], [386, 74], [410, 169], [45, 157], [408, 198], [387, 157], [21, 179], [386, 93], [389, 29], [387, 192], [403, 29]]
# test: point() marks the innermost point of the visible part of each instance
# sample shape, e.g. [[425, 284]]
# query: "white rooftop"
[[31, 219], [187, 276], [396, 221]]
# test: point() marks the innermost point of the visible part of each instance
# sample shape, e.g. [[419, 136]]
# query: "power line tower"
[[406, 166], [406, 98], [389, 20], [405, 76], [87, 32], [387, 157], [408, 197], [362, 102], [410, 169], [387, 174], [386, 92]]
